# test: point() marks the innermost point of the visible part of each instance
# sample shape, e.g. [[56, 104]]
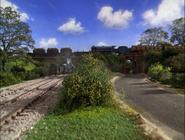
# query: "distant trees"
[[112, 61], [153, 37], [159, 37], [177, 30], [15, 36]]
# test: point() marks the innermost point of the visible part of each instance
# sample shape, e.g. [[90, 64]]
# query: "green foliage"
[[112, 61], [178, 80], [16, 38], [153, 36], [88, 85], [15, 69], [100, 56], [178, 32], [157, 72], [21, 75], [165, 75], [168, 53], [150, 58], [31, 75], [8, 79], [177, 63], [42, 71]]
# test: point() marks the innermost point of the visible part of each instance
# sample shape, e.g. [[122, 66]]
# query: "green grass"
[[92, 123], [30, 66], [9, 65]]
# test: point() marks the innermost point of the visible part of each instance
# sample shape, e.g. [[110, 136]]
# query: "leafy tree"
[[153, 37], [100, 56], [150, 58], [15, 37], [168, 53], [178, 32], [114, 61], [177, 63]]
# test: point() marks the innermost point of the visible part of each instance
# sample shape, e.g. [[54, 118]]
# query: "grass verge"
[[89, 123], [97, 122]]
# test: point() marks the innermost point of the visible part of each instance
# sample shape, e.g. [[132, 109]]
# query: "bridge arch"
[[136, 66]]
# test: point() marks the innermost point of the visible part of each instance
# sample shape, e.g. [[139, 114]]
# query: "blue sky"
[[80, 24]]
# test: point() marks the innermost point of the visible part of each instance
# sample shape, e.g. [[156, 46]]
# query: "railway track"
[[15, 105], [16, 88]]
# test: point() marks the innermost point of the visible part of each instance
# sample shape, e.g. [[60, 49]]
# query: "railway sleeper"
[[6, 119]]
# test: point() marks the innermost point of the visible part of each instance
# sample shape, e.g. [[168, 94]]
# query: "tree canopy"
[[153, 37], [15, 36], [177, 30]]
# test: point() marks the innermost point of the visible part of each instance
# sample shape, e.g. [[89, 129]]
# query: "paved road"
[[165, 109]]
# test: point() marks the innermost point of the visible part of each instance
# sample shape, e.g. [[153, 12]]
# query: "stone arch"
[[134, 65]]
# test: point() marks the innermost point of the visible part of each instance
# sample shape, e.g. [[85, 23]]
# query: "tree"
[[178, 32], [168, 53], [150, 58], [177, 63], [153, 37], [15, 37]]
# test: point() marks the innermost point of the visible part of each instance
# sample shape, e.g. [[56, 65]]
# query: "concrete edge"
[[150, 129]]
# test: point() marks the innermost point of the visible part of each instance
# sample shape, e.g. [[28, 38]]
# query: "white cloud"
[[5, 3], [72, 27], [23, 16], [32, 19], [48, 43], [119, 19], [167, 11], [102, 44]]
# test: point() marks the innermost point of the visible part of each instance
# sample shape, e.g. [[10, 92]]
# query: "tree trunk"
[[4, 65]]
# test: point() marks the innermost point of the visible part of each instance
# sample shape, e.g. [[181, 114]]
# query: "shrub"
[[42, 71], [158, 73], [150, 58], [31, 75], [15, 69], [165, 75], [8, 79], [178, 80], [21, 75], [176, 62], [88, 85], [155, 71]]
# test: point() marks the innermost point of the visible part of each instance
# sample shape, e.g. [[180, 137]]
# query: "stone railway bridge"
[[54, 57]]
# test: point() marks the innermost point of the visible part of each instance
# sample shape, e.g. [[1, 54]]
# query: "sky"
[[80, 24]]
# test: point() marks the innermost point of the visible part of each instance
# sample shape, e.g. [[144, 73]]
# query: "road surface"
[[161, 107]]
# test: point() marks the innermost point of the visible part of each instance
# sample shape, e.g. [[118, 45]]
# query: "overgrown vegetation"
[[88, 85], [87, 109], [166, 67], [20, 71], [164, 75], [112, 61]]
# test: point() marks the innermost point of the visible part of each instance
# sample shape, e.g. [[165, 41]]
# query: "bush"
[[165, 75], [42, 71], [150, 58], [88, 85], [31, 75], [8, 79], [21, 75], [178, 80], [158, 73], [155, 71], [15, 69]]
